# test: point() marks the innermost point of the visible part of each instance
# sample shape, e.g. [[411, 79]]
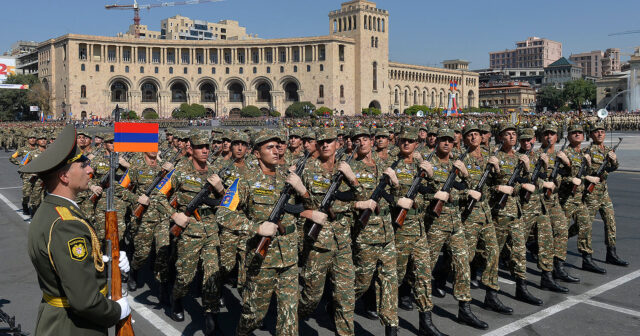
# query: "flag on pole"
[[135, 137]]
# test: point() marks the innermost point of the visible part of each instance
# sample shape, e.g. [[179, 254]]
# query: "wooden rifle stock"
[[412, 193], [600, 172]]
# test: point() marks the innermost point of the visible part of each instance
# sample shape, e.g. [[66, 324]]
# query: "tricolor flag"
[[231, 199], [25, 159], [165, 184], [125, 180], [135, 137]]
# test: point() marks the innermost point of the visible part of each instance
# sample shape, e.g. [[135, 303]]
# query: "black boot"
[[390, 331], [547, 282], [177, 311], [370, 308], [466, 316], [612, 257], [589, 265], [492, 302], [25, 208], [426, 325], [163, 293], [405, 300], [523, 294], [132, 282], [210, 324], [560, 273]]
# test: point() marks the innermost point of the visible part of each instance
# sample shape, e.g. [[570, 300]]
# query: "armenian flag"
[[25, 159], [135, 137], [125, 180], [231, 199], [165, 184]]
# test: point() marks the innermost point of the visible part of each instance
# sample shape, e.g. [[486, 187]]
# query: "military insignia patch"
[[77, 249]]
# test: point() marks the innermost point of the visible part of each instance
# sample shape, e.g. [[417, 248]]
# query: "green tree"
[[371, 111], [150, 114], [196, 111], [250, 111], [551, 98], [297, 109], [577, 92], [413, 110], [323, 110], [15, 104], [274, 113]]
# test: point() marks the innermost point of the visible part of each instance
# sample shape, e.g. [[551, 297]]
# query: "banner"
[[15, 86], [7, 68]]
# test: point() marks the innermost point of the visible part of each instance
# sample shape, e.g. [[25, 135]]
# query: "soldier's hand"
[[346, 170], [143, 199], [123, 162], [442, 196], [612, 156], [368, 204], [123, 262], [427, 167], [529, 187], [474, 194], [505, 189], [525, 162], [587, 157], [549, 185], [405, 203], [495, 163], [167, 166], [392, 176], [576, 181], [545, 159], [593, 179], [318, 217], [180, 219], [216, 182], [125, 310], [461, 168], [267, 229], [417, 156], [563, 157], [96, 189], [295, 182]]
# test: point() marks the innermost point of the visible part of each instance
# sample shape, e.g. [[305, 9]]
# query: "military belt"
[[63, 302]]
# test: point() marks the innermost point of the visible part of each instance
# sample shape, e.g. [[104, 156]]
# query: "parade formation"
[[383, 210]]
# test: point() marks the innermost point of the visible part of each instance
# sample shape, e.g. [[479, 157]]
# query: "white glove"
[[318, 217], [505, 189], [549, 185], [576, 181], [125, 310], [528, 187], [563, 157], [295, 182], [143, 199], [123, 162], [368, 204], [427, 167], [593, 179], [588, 158], [168, 166], [405, 203], [96, 189], [346, 170], [495, 163], [267, 229], [461, 168], [180, 219], [525, 162], [612, 156], [216, 182], [441, 196], [123, 262], [474, 194], [392, 176], [545, 158]]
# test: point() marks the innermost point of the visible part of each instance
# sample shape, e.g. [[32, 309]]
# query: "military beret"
[[446, 133], [265, 135], [503, 126], [470, 127], [409, 132], [63, 151], [575, 127], [526, 133]]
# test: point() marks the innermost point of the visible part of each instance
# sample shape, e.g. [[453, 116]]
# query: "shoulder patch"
[[65, 213], [77, 249]]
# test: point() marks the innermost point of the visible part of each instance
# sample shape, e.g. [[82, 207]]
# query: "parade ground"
[[606, 304]]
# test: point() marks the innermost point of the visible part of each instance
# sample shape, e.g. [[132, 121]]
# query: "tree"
[[274, 113], [323, 110], [150, 114], [250, 111], [187, 111], [413, 110], [39, 94], [577, 92], [14, 104], [551, 98], [297, 109], [371, 111]]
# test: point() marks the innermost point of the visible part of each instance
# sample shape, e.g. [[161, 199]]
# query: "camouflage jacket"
[[141, 176], [598, 157], [18, 155], [475, 167], [507, 165], [566, 187], [413, 224], [441, 171]]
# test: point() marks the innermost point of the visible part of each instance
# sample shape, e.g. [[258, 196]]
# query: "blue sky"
[[421, 32]]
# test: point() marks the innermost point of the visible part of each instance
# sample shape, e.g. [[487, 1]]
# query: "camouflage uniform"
[[17, 158], [35, 188], [575, 210], [556, 216]]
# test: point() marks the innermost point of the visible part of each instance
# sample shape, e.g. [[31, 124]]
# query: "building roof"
[[561, 62]]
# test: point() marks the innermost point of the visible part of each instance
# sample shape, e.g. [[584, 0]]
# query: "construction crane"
[[136, 9], [626, 32]]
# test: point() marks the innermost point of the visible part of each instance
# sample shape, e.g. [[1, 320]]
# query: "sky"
[[422, 32]]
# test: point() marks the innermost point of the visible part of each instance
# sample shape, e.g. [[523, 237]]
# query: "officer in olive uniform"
[[65, 250]]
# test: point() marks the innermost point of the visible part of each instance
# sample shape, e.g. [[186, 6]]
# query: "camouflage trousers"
[[233, 251], [192, 250], [26, 188], [559, 227], [148, 234], [36, 195], [576, 211], [538, 222], [414, 251], [509, 227], [261, 284], [338, 263], [457, 245], [600, 202], [481, 227], [381, 260]]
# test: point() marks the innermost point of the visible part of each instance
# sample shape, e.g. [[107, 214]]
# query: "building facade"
[[597, 63], [560, 72], [534, 52], [620, 91], [509, 96], [347, 70], [183, 28]]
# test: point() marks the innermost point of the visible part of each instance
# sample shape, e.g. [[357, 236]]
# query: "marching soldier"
[[18, 158]]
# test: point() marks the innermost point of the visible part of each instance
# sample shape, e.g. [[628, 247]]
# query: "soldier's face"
[[509, 137], [445, 144], [431, 139], [295, 141], [200, 153], [109, 146], [526, 144], [310, 145], [32, 141], [97, 141], [326, 148], [473, 139], [238, 149], [282, 147], [226, 145], [598, 136], [458, 137], [549, 138], [407, 146], [267, 153], [422, 134], [42, 142], [365, 144], [382, 142], [576, 137], [78, 176], [486, 136]]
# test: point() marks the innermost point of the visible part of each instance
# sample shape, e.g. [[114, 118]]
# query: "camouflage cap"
[[433, 129], [63, 151], [327, 134], [526, 133], [456, 127], [485, 127], [550, 127], [170, 130], [575, 127], [409, 132], [41, 135], [296, 131], [99, 135], [596, 125], [309, 133], [446, 133], [226, 136], [382, 132], [503, 126], [241, 136], [265, 135], [470, 127], [356, 131], [83, 132], [199, 138], [108, 137]]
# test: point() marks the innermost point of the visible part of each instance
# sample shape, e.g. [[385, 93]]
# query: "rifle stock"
[[123, 327], [437, 205], [471, 202], [141, 208], [376, 195], [512, 181], [534, 177], [412, 193]]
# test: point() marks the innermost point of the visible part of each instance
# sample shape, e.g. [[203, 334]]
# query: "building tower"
[[369, 27]]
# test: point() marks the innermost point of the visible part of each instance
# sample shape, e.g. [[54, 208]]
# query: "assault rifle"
[[330, 197], [12, 329], [104, 182], [436, 206], [279, 209], [413, 191], [537, 170], [202, 197], [583, 167], [512, 181], [141, 208], [603, 166], [554, 172], [378, 193], [471, 202]]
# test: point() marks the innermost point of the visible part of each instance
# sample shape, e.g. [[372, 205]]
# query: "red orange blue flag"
[[135, 137]]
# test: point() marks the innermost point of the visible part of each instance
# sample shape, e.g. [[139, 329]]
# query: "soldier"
[[309, 143], [36, 191], [599, 200], [97, 141], [65, 250], [18, 158], [295, 148], [382, 143]]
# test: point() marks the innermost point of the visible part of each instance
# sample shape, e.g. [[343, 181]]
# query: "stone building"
[[509, 96], [534, 52], [347, 70], [597, 63], [560, 72], [183, 28]]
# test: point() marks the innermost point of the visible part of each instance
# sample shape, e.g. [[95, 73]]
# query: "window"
[[240, 70], [268, 69], [97, 68], [372, 42], [255, 70], [83, 91], [226, 70], [170, 70], [341, 67], [126, 69], [141, 69], [111, 68], [406, 97], [81, 67], [321, 91], [341, 91], [395, 100], [155, 69], [376, 42], [308, 68], [283, 55], [185, 70], [149, 93], [295, 68], [321, 67], [213, 71], [341, 53], [375, 76], [281, 69]]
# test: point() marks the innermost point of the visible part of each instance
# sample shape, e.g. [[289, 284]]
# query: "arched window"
[[379, 24], [83, 91], [376, 42], [396, 100], [335, 25], [321, 91], [375, 76], [370, 23], [349, 21], [441, 100], [141, 69], [339, 25], [365, 22], [264, 92], [119, 92], [415, 97], [354, 22], [373, 42], [81, 67], [341, 91], [149, 92], [382, 25], [236, 93], [207, 93], [406, 97], [291, 91], [424, 98], [178, 93]]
